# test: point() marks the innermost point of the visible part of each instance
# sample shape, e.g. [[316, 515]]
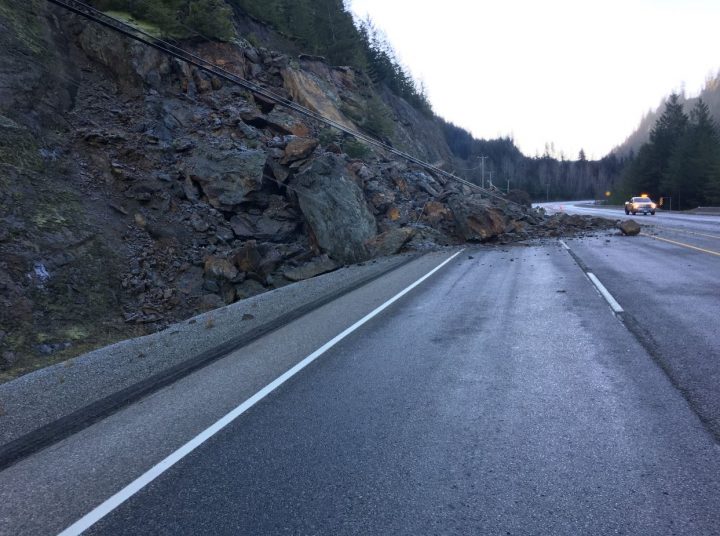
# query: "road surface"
[[501, 395]]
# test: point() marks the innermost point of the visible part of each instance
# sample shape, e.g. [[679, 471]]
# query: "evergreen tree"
[[694, 167]]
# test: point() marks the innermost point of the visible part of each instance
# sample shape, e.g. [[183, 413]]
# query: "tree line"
[[327, 28], [680, 161], [549, 176], [320, 27], [179, 19]]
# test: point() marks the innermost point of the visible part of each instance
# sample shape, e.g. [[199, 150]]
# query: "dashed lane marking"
[[614, 305]]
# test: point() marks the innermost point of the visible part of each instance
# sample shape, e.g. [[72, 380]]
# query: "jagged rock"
[[629, 227], [199, 224], [284, 123], [476, 218], [317, 266], [227, 176], [132, 63], [252, 55], [335, 209], [298, 148], [242, 226], [224, 233], [248, 288], [208, 302], [248, 257], [190, 189], [220, 268], [436, 212], [202, 82], [280, 172], [267, 228], [390, 242], [310, 91]]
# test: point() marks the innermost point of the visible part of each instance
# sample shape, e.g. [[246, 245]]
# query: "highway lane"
[[504, 397], [672, 293], [680, 222], [500, 396], [668, 281]]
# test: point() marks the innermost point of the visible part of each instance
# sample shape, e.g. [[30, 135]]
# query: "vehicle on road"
[[640, 204]]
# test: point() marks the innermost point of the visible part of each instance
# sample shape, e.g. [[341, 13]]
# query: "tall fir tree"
[[694, 167]]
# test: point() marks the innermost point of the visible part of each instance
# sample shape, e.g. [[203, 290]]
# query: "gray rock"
[[248, 288], [390, 242], [629, 227], [220, 268], [227, 176], [317, 266], [476, 218], [209, 302], [199, 224], [335, 208]]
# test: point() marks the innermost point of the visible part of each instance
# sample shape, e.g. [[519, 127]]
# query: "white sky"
[[577, 73]]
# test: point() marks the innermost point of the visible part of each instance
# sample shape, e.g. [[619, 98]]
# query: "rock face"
[[629, 227], [335, 209], [136, 191]]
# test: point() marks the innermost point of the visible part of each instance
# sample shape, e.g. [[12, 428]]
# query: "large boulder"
[[335, 208], [298, 148], [476, 218], [227, 176], [629, 227]]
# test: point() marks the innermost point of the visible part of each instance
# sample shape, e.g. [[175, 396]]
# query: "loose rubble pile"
[[174, 193]]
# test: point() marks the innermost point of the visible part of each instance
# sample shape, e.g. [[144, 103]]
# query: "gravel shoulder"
[[42, 397]]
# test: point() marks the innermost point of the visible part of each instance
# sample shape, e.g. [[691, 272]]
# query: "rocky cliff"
[[136, 191]]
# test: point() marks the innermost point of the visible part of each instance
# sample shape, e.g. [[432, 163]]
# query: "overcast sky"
[[577, 73]]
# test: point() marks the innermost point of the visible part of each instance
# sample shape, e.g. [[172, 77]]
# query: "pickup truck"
[[640, 204]]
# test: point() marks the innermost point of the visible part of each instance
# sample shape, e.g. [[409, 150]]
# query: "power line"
[[137, 34]]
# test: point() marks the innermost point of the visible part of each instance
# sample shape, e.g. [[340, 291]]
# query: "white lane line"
[[563, 244], [92, 517], [608, 297]]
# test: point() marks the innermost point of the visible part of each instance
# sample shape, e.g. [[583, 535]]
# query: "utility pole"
[[482, 161], [508, 188]]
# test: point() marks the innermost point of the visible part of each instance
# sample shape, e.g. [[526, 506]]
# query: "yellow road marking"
[[675, 229], [683, 244]]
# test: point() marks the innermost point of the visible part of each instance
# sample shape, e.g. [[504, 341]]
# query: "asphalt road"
[[668, 281], [500, 396]]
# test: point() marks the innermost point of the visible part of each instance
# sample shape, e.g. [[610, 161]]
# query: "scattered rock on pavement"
[[629, 227]]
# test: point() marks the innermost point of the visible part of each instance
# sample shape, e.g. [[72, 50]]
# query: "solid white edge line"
[[608, 297], [563, 244], [95, 515]]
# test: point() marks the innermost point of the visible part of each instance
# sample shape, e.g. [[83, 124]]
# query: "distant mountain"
[[710, 94]]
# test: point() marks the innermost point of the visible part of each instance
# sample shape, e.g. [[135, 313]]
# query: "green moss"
[[356, 149], [143, 25], [17, 146], [48, 218], [24, 23], [42, 337], [76, 333]]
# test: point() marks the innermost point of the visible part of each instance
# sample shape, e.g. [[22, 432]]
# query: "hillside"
[[710, 94], [137, 191]]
